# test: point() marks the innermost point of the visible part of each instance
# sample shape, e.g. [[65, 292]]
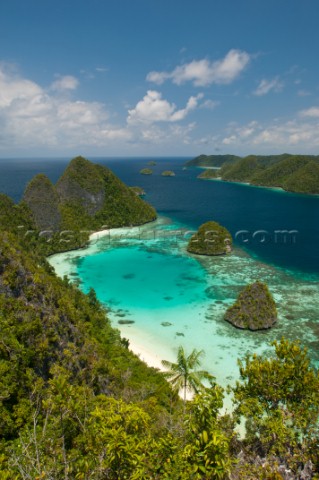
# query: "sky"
[[158, 77]]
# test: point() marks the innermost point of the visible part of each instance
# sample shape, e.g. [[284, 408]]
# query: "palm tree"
[[183, 374]]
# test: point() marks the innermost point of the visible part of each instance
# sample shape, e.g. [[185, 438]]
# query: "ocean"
[[161, 297]]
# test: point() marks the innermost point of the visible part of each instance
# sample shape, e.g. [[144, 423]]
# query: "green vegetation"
[[138, 191], [209, 174], [293, 173], [184, 374], [254, 309], [241, 171], [87, 197], [211, 160], [76, 404], [168, 173], [210, 239], [151, 163], [146, 171], [279, 398]]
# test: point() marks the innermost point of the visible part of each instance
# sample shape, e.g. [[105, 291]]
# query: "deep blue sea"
[[257, 217]]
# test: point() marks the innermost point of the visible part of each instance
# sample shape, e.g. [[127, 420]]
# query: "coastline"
[[152, 343], [148, 357], [247, 184]]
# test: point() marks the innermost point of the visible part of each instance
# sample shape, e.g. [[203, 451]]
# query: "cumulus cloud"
[[310, 112], [68, 82], [266, 86], [172, 133], [204, 72], [291, 134], [209, 104], [33, 116], [153, 108]]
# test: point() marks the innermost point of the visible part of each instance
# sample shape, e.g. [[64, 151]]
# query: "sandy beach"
[[148, 357]]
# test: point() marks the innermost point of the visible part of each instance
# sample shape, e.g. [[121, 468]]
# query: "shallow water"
[[161, 297]]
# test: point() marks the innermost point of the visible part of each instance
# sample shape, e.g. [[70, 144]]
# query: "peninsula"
[[292, 173]]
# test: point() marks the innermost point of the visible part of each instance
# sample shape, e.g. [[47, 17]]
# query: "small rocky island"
[[210, 239], [168, 173], [151, 163], [146, 171], [254, 309]]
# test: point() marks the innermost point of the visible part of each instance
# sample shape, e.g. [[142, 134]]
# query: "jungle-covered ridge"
[[75, 403], [86, 198], [293, 173]]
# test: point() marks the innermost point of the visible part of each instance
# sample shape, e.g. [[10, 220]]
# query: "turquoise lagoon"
[[160, 297]]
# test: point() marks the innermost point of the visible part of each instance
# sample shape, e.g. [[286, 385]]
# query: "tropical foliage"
[[294, 173], [76, 404]]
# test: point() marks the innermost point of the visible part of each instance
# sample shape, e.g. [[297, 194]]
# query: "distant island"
[[146, 171], [151, 163], [292, 173], [168, 173]]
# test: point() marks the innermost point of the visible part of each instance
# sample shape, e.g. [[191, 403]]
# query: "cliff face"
[[42, 199], [86, 197], [211, 239], [254, 309], [81, 184]]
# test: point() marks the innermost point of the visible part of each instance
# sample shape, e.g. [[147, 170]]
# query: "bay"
[[160, 296]]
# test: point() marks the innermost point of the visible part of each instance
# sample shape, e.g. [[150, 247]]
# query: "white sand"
[[148, 357]]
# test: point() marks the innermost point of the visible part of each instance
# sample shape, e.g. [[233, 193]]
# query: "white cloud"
[[310, 112], [204, 72], [153, 134], [303, 93], [266, 86], [153, 108], [282, 136], [209, 104], [32, 116], [13, 88], [68, 82]]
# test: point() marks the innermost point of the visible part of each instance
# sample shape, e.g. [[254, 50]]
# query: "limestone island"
[[168, 173], [210, 239], [86, 197], [254, 309], [146, 171], [151, 163]]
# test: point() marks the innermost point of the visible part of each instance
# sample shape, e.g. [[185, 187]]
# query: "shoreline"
[[144, 354], [248, 184]]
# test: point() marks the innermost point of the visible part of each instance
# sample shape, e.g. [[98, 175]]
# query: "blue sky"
[[158, 77]]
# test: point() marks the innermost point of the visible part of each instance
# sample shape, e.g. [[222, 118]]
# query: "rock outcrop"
[[210, 239], [254, 309], [42, 199]]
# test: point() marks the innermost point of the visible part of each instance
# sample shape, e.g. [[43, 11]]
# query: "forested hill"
[[293, 173], [87, 197], [212, 160]]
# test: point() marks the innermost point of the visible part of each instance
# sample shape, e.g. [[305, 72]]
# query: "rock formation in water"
[[210, 239], [254, 309], [168, 173], [146, 171]]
